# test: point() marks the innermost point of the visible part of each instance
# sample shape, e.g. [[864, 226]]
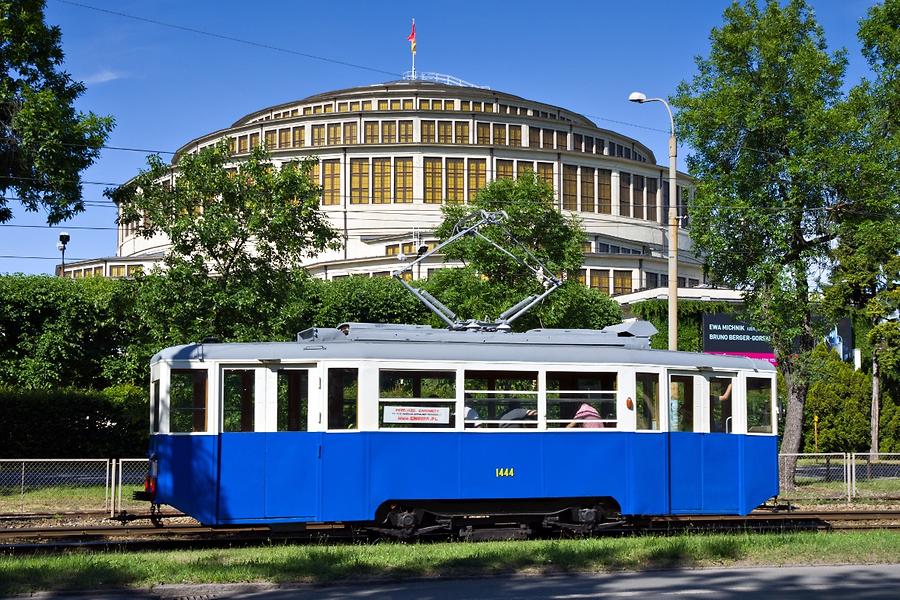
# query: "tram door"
[[703, 455]]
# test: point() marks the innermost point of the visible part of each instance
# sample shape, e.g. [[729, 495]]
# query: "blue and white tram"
[[382, 424]]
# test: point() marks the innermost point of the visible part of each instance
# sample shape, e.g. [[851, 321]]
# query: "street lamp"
[[641, 98], [61, 246]]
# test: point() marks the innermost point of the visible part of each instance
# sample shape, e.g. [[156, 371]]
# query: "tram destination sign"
[[723, 334]]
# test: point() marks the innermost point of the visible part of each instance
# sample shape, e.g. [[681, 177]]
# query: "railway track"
[[147, 536]]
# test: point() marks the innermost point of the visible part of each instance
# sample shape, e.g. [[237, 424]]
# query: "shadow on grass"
[[326, 564]]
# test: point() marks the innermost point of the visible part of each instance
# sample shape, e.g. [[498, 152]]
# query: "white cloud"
[[102, 77]]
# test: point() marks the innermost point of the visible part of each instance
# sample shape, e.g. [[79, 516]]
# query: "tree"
[[533, 221], [866, 277], [225, 219], [534, 230], [761, 116], [45, 143], [238, 230]]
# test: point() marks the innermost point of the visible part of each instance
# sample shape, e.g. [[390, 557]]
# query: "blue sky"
[[165, 86]]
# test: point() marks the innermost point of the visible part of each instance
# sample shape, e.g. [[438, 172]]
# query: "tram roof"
[[626, 343]]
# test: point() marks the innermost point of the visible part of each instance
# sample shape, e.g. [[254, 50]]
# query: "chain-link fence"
[[816, 476], [39, 486], [875, 476], [130, 474]]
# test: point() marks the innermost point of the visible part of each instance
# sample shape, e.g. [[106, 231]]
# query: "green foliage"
[[364, 299], [841, 398], [45, 143], [533, 221], [228, 220], [69, 423], [61, 332]]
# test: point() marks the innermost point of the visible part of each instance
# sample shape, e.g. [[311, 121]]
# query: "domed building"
[[389, 155]]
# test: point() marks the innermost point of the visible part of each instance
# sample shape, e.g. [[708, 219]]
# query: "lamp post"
[[61, 246], [641, 98]]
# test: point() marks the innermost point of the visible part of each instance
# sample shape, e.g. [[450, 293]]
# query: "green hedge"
[[108, 423]]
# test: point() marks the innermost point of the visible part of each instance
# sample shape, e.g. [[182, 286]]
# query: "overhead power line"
[[231, 38]]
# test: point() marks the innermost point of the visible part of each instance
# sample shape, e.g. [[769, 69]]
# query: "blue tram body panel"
[[299, 477]]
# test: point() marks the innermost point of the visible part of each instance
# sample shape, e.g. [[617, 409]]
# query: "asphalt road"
[[847, 582]]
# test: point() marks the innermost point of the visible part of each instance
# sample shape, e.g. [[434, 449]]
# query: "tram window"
[[759, 405], [343, 398], [237, 399], [647, 401], [720, 420], [681, 403], [187, 400], [154, 403], [293, 399], [501, 399], [582, 400], [417, 399]]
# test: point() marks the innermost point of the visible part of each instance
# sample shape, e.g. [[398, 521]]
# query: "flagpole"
[[414, 51]]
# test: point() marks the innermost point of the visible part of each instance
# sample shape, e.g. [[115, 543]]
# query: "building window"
[[604, 189], [445, 132], [284, 138], [651, 199], [600, 280], [562, 140], [135, 270], [476, 107], [570, 187], [406, 132], [424, 104], [455, 180], [382, 105], [524, 167], [359, 181], [343, 107], [117, 271], [242, 144], [254, 140], [427, 132], [483, 131], [545, 173], [403, 185], [371, 131], [462, 132], [504, 169], [577, 140], [515, 135], [587, 189], [622, 282], [381, 180], [350, 136], [299, 137], [331, 182], [354, 107], [366, 105], [499, 134], [477, 176], [464, 105], [270, 139], [334, 134], [434, 192], [625, 194], [638, 212], [652, 280], [588, 144], [318, 135], [407, 104], [534, 137], [388, 132], [547, 143]]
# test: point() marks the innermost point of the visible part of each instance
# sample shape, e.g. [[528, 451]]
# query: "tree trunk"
[[876, 403], [797, 386]]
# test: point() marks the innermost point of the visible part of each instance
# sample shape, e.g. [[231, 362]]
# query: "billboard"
[[723, 334]]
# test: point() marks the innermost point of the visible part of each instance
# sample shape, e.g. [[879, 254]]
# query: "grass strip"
[[82, 570]]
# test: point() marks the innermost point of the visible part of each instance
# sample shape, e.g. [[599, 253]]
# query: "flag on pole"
[[412, 37]]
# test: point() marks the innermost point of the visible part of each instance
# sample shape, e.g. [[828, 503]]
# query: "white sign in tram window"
[[417, 414]]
